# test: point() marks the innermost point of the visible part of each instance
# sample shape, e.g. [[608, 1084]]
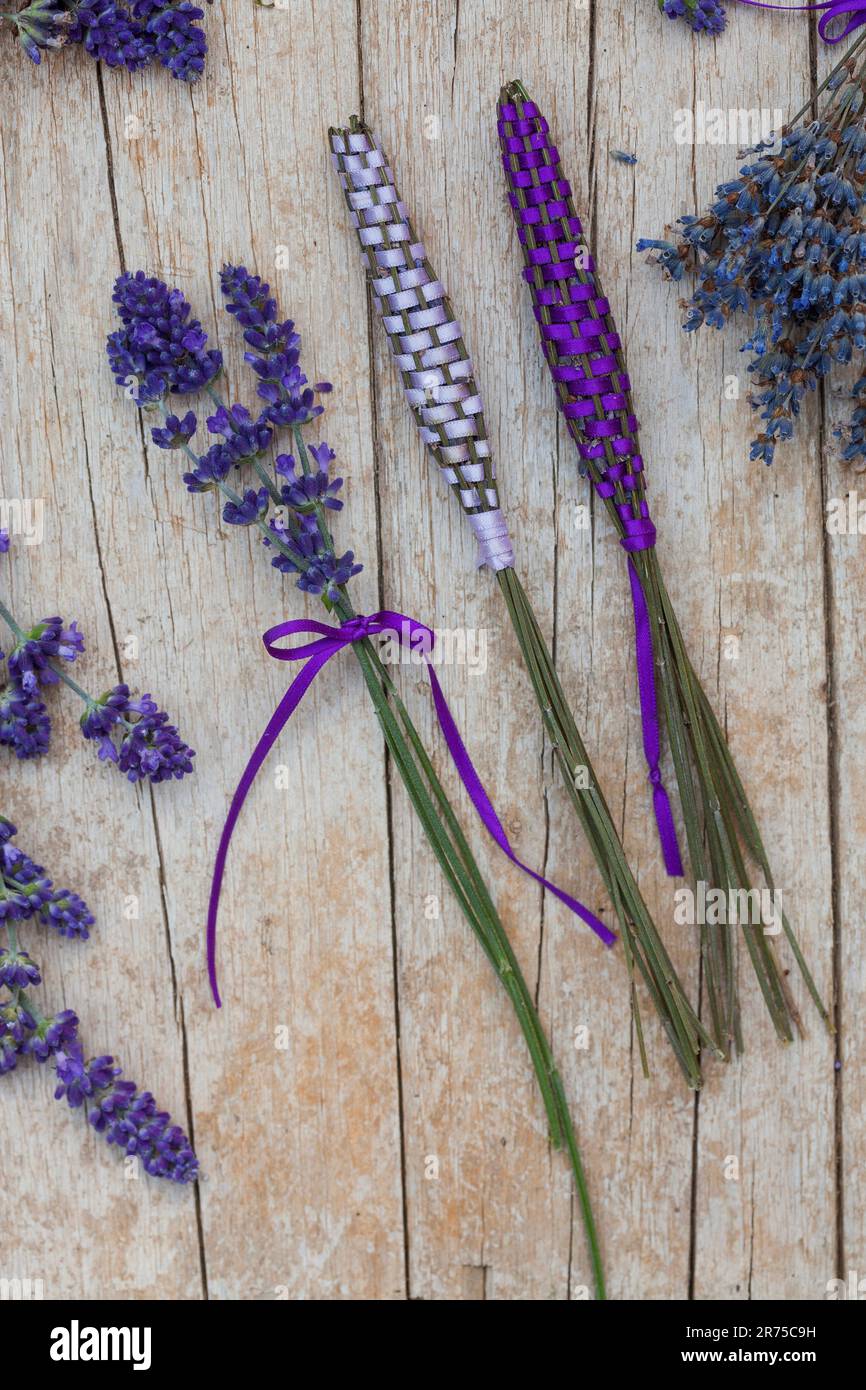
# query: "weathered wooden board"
[[363, 1106]]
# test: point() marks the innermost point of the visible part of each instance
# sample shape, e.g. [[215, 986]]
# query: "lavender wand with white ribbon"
[[439, 381], [583, 351]]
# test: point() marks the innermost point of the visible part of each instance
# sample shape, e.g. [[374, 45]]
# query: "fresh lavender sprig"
[[702, 16], [292, 509], [130, 35], [166, 353], [785, 241], [133, 734], [115, 1108]]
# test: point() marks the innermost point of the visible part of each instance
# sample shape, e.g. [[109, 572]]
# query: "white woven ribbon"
[[494, 542]]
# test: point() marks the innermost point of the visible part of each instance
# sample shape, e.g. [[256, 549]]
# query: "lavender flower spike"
[[425, 336], [126, 1116], [703, 16]]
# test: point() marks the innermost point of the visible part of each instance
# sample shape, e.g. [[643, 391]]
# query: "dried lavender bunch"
[[583, 351], [126, 1116], [786, 241], [439, 381], [130, 36], [292, 506], [702, 16], [135, 735]]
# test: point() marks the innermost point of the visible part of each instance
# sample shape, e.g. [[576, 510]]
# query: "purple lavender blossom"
[[17, 970], [303, 491], [177, 42], [137, 736], [17, 1026], [29, 662], [126, 1116], [42, 25], [784, 242], [52, 1035], [159, 349], [299, 539], [67, 914], [110, 33], [26, 892], [4, 542], [211, 469], [253, 506], [703, 16], [275, 359], [116, 1108], [24, 725], [128, 35], [77, 1080], [243, 437], [176, 432]]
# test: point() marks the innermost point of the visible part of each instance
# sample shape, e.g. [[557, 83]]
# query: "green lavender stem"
[[727, 814], [645, 947], [457, 862]]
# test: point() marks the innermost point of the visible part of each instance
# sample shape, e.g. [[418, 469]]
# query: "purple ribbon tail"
[[315, 655], [640, 535], [289, 703], [483, 805]]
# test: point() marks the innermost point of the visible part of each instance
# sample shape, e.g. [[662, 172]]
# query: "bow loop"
[[326, 640]]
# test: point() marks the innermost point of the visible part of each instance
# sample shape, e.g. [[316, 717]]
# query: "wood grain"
[[363, 1107]]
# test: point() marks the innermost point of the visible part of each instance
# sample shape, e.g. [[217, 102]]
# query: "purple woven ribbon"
[[836, 9], [640, 534], [317, 654]]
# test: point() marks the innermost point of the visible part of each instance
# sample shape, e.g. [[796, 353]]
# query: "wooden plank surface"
[[363, 1107]]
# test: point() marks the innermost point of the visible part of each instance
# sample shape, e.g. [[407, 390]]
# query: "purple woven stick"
[[425, 336], [582, 348]]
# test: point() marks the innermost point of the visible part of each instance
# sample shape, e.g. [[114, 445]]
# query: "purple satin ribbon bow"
[[640, 534], [836, 9], [315, 655]]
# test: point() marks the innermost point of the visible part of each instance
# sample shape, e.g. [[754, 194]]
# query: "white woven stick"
[[426, 339]]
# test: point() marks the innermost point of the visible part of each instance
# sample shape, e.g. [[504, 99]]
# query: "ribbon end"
[[667, 832]]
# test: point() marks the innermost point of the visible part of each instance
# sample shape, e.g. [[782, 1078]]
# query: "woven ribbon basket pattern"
[[573, 318], [426, 338]]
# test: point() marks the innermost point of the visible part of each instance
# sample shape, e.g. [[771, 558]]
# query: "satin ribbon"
[[836, 9], [640, 534], [315, 655]]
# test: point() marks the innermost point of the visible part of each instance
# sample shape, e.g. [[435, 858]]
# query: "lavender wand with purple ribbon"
[[583, 351], [161, 351], [439, 382]]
